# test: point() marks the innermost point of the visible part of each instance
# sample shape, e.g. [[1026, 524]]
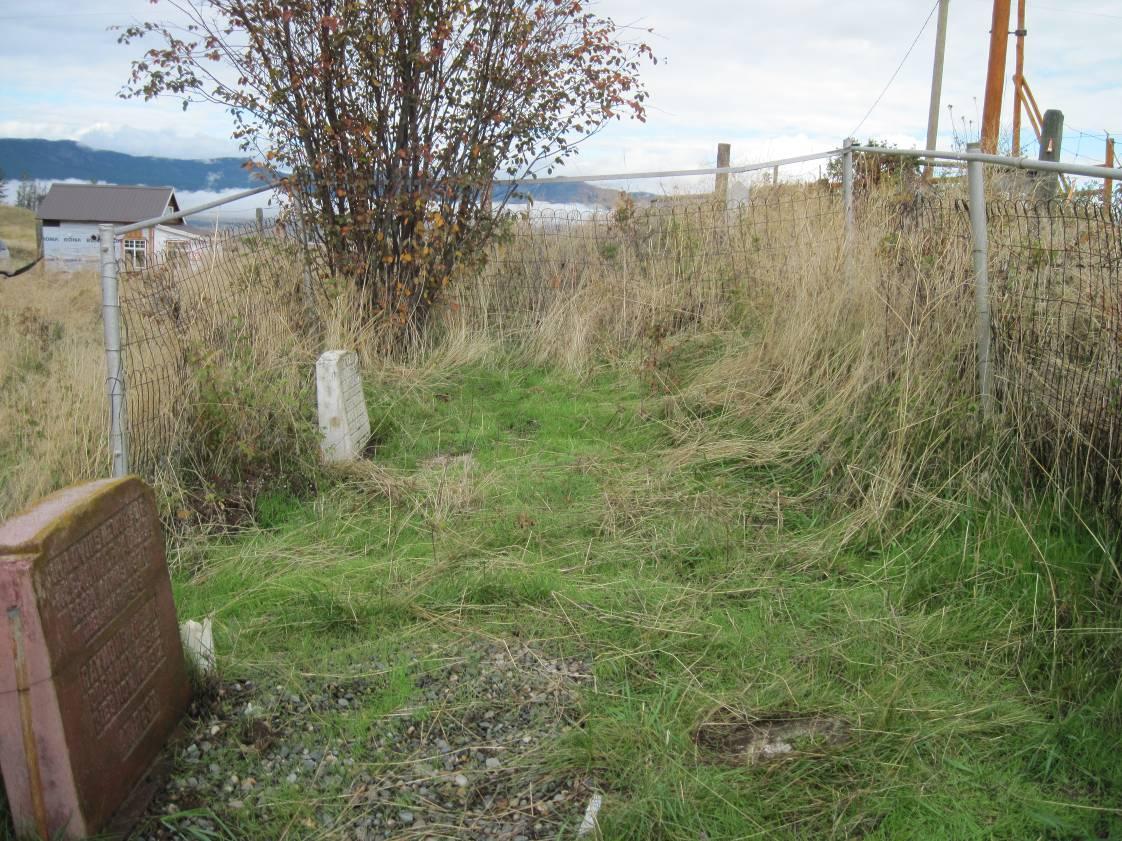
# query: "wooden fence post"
[[721, 180], [1051, 138]]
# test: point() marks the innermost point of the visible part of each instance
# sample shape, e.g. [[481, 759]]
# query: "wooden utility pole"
[[937, 80], [1108, 183], [721, 180], [1019, 78], [995, 76]]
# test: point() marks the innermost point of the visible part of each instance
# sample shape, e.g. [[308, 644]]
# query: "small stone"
[[291, 778], [493, 763], [461, 781], [236, 804], [405, 816]]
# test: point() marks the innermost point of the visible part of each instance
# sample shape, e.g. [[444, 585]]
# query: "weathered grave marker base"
[[92, 677], [343, 419]]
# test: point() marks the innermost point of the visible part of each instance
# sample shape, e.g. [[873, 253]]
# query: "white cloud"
[[774, 79]]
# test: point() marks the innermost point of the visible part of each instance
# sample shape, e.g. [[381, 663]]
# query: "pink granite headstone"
[[92, 676]]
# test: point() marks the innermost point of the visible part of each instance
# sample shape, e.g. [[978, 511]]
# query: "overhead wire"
[[896, 72]]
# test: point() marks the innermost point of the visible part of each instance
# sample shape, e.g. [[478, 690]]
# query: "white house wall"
[[164, 235], [71, 246]]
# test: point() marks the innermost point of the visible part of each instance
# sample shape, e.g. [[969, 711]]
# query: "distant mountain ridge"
[[57, 160], [50, 160]]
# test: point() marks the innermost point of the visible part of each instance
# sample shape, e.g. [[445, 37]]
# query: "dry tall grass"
[[573, 287], [858, 365], [52, 374]]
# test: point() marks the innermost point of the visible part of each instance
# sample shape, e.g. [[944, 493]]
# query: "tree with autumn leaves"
[[390, 119]]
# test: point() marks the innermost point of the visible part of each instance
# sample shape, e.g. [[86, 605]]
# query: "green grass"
[[972, 655]]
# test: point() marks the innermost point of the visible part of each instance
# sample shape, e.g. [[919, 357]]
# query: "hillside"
[[49, 160], [55, 160]]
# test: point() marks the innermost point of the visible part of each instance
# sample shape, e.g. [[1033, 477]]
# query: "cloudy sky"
[[773, 78]]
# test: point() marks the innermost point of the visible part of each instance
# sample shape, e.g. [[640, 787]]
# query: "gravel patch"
[[465, 757]]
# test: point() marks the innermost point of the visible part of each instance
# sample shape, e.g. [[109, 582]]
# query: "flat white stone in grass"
[[198, 643], [343, 422]]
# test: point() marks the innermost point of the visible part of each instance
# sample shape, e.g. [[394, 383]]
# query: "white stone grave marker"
[[343, 421]]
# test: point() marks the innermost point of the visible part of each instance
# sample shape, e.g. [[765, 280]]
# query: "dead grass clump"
[[729, 736]]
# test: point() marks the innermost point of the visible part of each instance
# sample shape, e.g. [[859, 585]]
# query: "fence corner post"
[[115, 371], [980, 242]]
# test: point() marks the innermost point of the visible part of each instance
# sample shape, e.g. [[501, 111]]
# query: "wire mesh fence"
[[203, 305], [664, 265], [1056, 272], [656, 268]]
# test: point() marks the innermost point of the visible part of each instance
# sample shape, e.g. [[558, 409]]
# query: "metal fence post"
[[115, 370], [847, 185], [976, 175]]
